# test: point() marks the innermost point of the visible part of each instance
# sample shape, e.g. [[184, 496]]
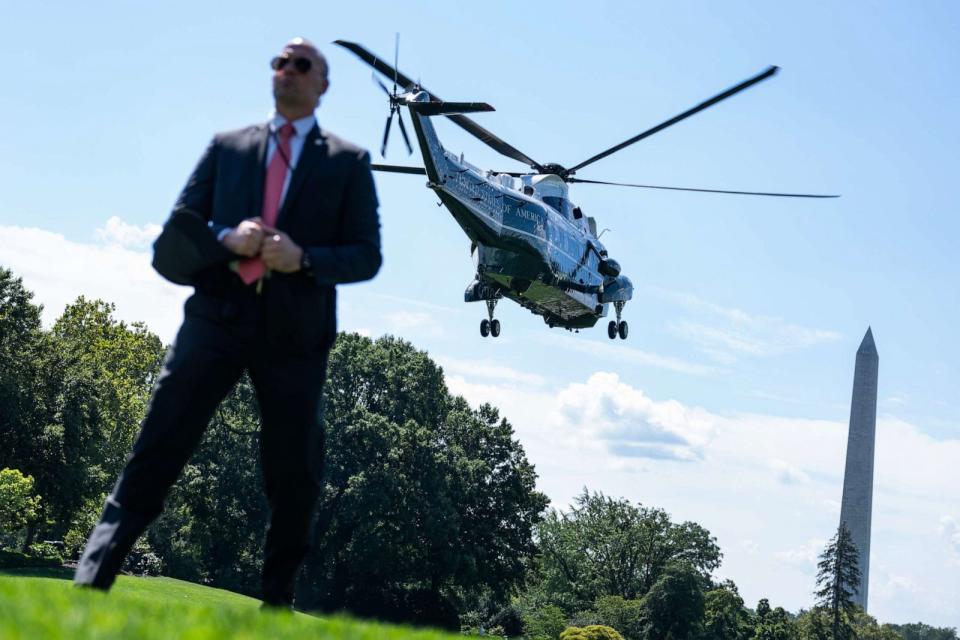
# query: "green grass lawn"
[[38, 604]]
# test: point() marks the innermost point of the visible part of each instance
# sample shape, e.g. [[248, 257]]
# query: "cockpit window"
[[556, 202]]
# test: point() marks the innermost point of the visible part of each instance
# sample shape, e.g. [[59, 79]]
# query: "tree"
[[96, 374], [21, 341], [544, 623], [838, 577], [674, 606], [19, 506], [605, 546], [865, 627], [626, 616], [427, 504], [921, 631], [725, 617], [773, 624]]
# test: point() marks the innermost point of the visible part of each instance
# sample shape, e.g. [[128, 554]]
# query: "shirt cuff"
[[223, 234]]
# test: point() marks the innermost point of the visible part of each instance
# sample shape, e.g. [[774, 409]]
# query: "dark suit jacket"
[[330, 209]]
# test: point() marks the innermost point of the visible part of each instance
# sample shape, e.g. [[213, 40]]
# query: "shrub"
[[18, 504], [592, 632], [16, 560], [46, 551]]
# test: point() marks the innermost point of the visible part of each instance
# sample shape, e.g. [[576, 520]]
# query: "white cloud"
[[787, 473], [122, 234], [630, 424], [622, 353], [489, 370], [804, 556], [725, 333], [412, 322], [894, 401], [58, 270], [950, 533]]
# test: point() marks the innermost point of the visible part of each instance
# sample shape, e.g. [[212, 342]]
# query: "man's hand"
[[279, 252], [246, 238]]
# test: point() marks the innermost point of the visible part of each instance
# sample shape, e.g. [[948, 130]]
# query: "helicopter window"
[[577, 213], [527, 190], [556, 202]]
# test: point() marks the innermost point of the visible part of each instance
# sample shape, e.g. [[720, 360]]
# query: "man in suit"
[[297, 210]]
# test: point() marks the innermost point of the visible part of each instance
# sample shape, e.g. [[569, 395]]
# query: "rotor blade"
[[437, 108], [396, 59], [382, 86], [739, 193], [386, 135], [686, 114], [495, 143], [463, 122], [395, 168], [403, 131], [377, 63]]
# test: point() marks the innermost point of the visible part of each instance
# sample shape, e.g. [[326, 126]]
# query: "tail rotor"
[[396, 101]]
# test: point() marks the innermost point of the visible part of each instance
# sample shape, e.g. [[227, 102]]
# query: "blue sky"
[[747, 311]]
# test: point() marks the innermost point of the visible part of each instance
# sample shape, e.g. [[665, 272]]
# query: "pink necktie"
[[252, 269]]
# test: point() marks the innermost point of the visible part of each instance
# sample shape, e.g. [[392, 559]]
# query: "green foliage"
[[591, 632], [85, 517], [921, 631], [19, 506], [161, 608], [624, 615], [10, 559], [21, 343], [611, 547], [674, 607], [817, 624], [725, 617], [71, 399], [865, 627], [838, 576], [426, 503], [774, 624], [544, 623]]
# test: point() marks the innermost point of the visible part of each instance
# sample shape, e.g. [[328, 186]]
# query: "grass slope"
[[41, 604]]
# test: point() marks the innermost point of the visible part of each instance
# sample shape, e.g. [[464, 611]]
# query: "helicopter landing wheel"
[[622, 329], [490, 326], [612, 329]]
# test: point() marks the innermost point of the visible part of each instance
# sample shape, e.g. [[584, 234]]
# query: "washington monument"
[[855, 509]]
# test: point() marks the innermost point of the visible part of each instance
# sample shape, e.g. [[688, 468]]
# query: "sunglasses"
[[302, 65]]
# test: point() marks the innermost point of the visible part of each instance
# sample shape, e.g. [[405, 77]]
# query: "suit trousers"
[[216, 343]]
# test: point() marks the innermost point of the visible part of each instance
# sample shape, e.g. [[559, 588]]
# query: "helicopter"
[[529, 242]]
